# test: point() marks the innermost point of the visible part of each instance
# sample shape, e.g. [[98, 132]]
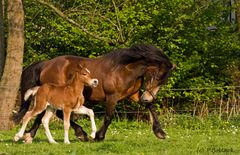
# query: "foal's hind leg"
[[45, 121], [86, 111], [29, 115]]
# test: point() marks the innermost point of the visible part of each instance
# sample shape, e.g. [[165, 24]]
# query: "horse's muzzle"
[[147, 97]]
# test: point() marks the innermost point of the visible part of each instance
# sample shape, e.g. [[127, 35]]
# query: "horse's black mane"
[[147, 53]]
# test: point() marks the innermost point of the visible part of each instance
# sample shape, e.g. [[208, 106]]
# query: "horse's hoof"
[[159, 133], [82, 137], [28, 138], [99, 138]]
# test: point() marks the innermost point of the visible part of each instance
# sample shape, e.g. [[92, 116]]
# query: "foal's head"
[[83, 75], [154, 77]]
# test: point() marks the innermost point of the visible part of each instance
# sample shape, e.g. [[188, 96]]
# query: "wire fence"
[[222, 105]]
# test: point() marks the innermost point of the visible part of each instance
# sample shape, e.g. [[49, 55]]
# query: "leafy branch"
[[61, 14]]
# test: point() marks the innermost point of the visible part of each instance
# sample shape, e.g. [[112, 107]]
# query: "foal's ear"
[[174, 66], [80, 66]]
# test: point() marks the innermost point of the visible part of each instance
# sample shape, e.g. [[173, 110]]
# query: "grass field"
[[187, 135]]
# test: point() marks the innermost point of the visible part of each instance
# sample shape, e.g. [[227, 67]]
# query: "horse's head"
[[84, 76], [154, 77]]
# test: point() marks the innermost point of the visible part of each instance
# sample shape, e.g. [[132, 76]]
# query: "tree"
[[238, 14], [2, 50], [10, 81]]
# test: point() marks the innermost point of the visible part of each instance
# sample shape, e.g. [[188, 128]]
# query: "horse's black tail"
[[30, 78]]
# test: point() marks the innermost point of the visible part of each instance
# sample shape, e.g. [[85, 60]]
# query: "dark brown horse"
[[121, 74]]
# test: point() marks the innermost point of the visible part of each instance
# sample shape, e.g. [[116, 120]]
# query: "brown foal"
[[68, 98]]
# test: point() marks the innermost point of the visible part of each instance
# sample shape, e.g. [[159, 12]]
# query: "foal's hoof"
[[16, 138], [28, 138], [92, 136], [67, 142], [53, 142], [91, 139]]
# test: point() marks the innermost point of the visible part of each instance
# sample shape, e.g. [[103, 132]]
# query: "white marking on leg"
[[66, 128], [45, 122], [26, 119], [66, 125], [86, 111]]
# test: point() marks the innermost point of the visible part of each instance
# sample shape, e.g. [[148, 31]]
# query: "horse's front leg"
[[110, 106], [66, 120], [159, 133], [79, 132]]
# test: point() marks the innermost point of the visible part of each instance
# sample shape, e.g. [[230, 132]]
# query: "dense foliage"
[[195, 34]]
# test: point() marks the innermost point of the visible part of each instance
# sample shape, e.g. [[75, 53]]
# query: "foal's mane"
[[145, 52]]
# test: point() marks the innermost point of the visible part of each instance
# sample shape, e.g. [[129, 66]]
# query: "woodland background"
[[200, 36]]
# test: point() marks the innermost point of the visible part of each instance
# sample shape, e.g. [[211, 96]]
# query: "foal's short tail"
[[31, 91]]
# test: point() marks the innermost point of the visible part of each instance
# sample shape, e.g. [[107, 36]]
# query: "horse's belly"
[[94, 94]]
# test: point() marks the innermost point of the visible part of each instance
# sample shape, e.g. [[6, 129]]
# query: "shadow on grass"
[[60, 141]]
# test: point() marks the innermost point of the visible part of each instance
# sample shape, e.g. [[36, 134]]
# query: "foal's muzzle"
[[94, 82]]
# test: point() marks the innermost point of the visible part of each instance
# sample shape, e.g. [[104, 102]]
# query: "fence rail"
[[223, 107]]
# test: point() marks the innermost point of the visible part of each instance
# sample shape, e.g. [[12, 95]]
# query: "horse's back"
[[30, 76]]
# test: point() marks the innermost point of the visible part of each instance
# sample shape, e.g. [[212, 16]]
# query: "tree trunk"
[[2, 49], [238, 14], [10, 81]]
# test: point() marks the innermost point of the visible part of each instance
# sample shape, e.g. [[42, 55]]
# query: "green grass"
[[187, 135]]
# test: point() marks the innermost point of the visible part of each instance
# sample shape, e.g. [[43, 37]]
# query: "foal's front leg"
[[45, 121], [79, 132], [86, 111], [66, 119]]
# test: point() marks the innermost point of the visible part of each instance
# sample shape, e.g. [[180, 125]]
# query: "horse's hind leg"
[[29, 135], [45, 121], [86, 111]]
